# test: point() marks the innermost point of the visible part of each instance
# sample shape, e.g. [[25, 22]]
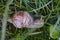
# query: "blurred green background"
[[50, 9]]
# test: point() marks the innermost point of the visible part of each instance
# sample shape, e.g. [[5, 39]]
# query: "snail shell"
[[21, 19]]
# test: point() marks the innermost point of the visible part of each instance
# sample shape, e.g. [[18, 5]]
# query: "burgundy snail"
[[24, 19]]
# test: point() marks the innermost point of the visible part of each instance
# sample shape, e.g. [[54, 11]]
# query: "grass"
[[48, 8]]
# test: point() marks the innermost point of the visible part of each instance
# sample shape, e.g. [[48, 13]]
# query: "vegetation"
[[50, 9]]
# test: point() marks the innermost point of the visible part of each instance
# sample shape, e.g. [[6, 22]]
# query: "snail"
[[24, 19]]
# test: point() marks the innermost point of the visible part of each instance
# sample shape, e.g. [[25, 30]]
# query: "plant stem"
[[4, 21]]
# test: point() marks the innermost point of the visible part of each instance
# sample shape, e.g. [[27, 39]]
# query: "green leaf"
[[55, 30]]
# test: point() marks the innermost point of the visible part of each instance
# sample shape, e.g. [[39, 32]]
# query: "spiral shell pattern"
[[22, 19]]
